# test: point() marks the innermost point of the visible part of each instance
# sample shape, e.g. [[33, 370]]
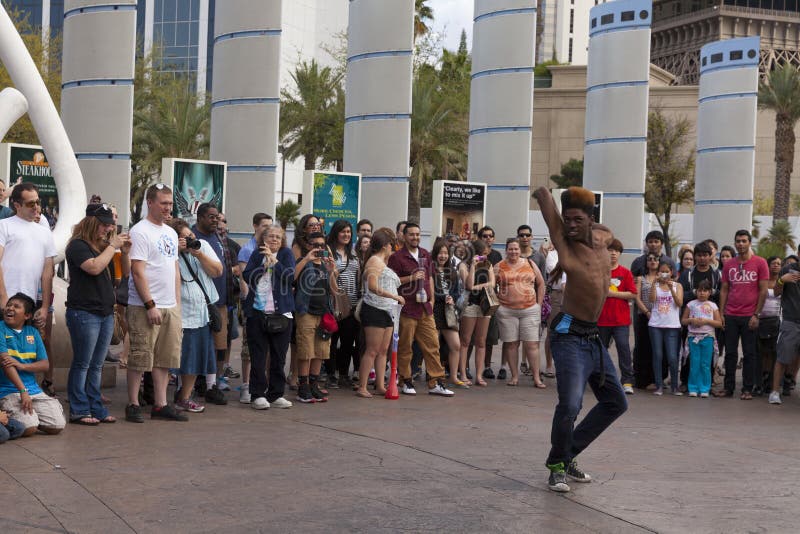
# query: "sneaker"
[[628, 389], [280, 402], [704, 395], [304, 394], [658, 392], [678, 393], [189, 405], [408, 388], [371, 378], [439, 389], [216, 396], [558, 478], [775, 398], [168, 413], [260, 404], [692, 393], [244, 393], [488, 373], [222, 384], [318, 394], [333, 382], [231, 373], [133, 414], [501, 374], [200, 386], [574, 473]]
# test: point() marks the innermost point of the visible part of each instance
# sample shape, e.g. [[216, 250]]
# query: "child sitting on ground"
[[22, 355], [701, 316]]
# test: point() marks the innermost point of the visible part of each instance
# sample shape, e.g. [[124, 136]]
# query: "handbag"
[[341, 305], [214, 318], [489, 301], [357, 309], [768, 327], [274, 323], [450, 316], [118, 334], [328, 323]]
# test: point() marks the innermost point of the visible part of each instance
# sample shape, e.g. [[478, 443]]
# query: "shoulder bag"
[[341, 301], [214, 318]]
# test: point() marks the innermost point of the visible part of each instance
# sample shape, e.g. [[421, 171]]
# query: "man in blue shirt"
[[22, 355]]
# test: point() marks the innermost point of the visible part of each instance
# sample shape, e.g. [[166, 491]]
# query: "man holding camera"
[[206, 230]]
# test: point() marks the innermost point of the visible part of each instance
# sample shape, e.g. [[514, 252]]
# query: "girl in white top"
[[380, 300], [701, 317], [665, 325]]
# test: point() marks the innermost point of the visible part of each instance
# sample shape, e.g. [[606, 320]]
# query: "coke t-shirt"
[[742, 278], [617, 312]]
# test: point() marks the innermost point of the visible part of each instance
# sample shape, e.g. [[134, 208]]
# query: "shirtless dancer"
[[577, 351]]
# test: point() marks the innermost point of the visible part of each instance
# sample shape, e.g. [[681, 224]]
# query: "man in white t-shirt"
[[26, 252], [154, 315]]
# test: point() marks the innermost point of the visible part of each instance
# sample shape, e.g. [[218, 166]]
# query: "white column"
[[246, 104], [726, 138], [377, 132], [97, 94], [501, 109], [615, 149]]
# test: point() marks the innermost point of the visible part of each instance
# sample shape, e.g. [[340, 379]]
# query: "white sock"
[[211, 381]]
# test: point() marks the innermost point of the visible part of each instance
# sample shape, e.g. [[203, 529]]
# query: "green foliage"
[[423, 16], [47, 57], [541, 69], [670, 167], [780, 236], [287, 212], [312, 114], [780, 92], [765, 249], [571, 174]]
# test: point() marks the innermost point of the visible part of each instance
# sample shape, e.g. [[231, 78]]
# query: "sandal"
[[86, 420], [540, 385], [109, 419], [512, 382], [746, 395], [364, 395], [481, 383]]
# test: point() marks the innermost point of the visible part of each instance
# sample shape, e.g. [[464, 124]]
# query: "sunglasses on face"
[[487, 236], [524, 236], [318, 245], [32, 203]]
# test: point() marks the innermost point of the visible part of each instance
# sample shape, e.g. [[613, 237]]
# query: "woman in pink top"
[[521, 291]]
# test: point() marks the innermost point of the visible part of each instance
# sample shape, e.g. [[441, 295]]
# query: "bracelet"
[[23, 390], [779, 282]]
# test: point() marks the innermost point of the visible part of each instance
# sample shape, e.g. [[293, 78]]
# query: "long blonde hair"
[[86, 229]]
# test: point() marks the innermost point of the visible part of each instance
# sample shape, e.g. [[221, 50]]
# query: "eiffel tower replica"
[[681, 27]]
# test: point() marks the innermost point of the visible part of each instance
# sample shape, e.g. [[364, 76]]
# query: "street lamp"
[[281, 150]]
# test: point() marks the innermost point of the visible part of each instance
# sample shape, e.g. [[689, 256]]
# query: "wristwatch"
[[149, 305]]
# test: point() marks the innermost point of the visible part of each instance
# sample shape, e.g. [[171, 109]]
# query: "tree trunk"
[[414, 186], [310, 160], [784, 159], [665, 231]]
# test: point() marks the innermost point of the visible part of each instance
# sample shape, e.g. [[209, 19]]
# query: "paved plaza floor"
[[473, 463]]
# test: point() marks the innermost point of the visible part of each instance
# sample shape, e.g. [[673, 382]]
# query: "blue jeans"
[[665, 340], [579, 360], [621, 336], [700, 355], [91, 336], [12, 430]]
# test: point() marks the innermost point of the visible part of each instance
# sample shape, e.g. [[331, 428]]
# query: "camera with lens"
[[193, 244]]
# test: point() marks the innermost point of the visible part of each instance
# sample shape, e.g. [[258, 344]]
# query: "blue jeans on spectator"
[[12, 430], [621, 336], [91, 335], [579, 360], [665, 342], [738, 327]]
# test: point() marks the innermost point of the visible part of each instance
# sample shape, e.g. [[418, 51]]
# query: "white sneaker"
[[244, 394], [280, 402], [408, 389], [704, 395], [222, 384], [260, 404], [775, 397], [692, 393], [628, 389], [439, 389]]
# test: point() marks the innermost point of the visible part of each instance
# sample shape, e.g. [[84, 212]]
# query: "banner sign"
[[458, 208], [333, 196], [28, 163], [194, 182]]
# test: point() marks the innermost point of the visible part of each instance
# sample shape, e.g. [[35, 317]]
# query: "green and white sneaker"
[[558, 478]]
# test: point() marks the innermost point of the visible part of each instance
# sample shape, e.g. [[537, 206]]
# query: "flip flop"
[[109, 419], [512, 383], [540, 386], [85, 421], [363, 395]]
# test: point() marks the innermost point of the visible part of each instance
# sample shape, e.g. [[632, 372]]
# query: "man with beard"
[[578, 352]]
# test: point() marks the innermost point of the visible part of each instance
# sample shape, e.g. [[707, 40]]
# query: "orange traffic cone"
[[391, 389]]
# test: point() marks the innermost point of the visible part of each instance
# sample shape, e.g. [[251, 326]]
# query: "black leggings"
[[348, 349]]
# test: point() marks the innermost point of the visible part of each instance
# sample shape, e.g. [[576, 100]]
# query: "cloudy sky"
[[450, 16]]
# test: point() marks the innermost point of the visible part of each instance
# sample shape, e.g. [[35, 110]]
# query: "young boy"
[[22, 355]]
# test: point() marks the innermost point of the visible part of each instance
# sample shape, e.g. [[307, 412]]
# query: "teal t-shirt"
[[25, 346]]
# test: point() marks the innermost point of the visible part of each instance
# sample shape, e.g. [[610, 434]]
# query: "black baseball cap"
[[101, 211]]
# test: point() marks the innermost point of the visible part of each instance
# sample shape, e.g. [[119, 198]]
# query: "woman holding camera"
[[268, 307], [665, 325], [476, 275]]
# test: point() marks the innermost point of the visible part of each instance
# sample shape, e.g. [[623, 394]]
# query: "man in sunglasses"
[[741, 298], [526, 250], [487, 235]]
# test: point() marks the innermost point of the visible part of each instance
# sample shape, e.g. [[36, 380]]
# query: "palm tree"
[[287, 213], [780, 236], [423, 14], [309, 114], [438, 139], [780, 92]]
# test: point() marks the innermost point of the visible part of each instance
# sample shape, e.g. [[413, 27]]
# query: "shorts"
[[154, 345], [309, 345], [197, 352], [221, 337], [788, 344], [473, 311], [375, 317], [519, 325], [47, 411]]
